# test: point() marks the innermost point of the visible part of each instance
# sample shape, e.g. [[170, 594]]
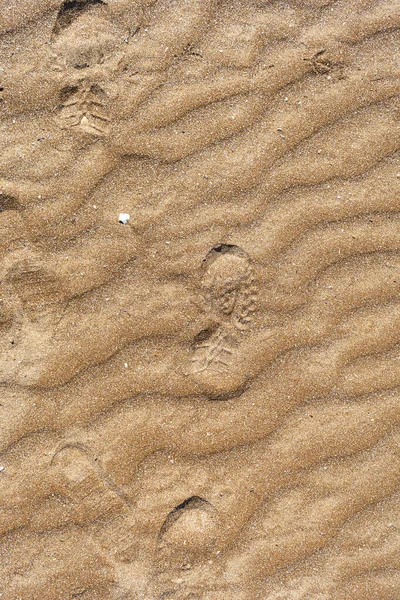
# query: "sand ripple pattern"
[[203, 403]]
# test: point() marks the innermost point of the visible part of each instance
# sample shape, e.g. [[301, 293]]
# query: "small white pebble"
[[167, 242], [124, 218], [94, 206], [126, 365], [2, 469]]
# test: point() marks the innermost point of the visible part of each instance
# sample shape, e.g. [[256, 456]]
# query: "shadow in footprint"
[[190, 530], [70, 11], [190, 504], [8, 203]]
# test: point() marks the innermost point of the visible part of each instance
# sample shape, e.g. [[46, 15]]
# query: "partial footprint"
[[187, 539], [84, 36], [230, 288], [190, 524], [82, 107], [70, 11], [229, 285]]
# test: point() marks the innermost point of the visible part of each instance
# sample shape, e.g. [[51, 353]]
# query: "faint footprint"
[[98, 502], [33, 281], [231, 292]]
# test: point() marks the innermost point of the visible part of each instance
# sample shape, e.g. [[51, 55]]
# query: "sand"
[[199, 315]]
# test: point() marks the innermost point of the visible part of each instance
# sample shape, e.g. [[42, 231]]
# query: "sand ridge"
[[202, 403]]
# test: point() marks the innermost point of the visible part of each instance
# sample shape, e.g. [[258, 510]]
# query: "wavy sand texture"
[[203, 403]]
